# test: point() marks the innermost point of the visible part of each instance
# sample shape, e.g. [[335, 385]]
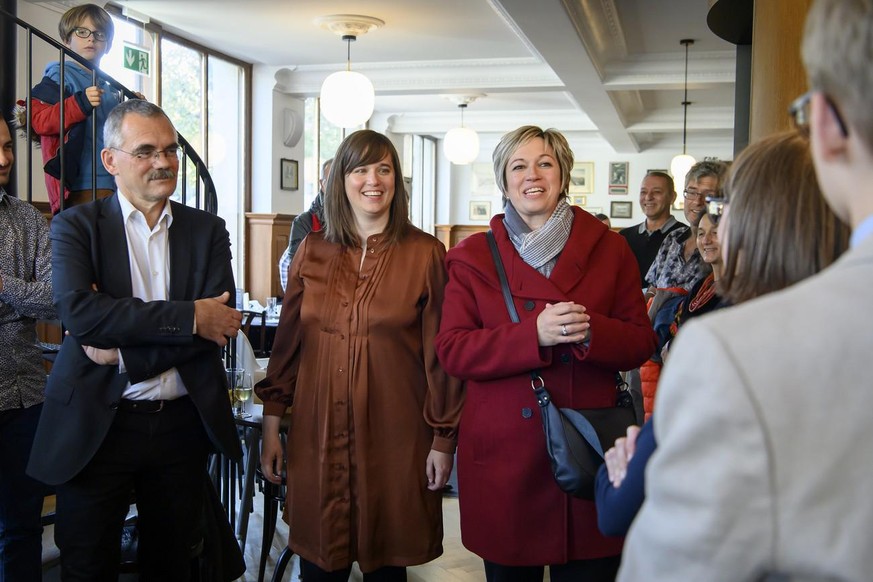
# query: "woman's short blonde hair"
[[517, 138], [780, 229], [362, 148]]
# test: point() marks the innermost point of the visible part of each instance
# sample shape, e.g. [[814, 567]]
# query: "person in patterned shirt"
[[25, 296], [678, 263]]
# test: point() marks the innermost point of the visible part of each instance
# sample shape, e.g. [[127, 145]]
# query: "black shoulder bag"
[[575, 439]]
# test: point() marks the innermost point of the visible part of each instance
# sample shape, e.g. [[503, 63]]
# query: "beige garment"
[[354, 354], [763, 427]]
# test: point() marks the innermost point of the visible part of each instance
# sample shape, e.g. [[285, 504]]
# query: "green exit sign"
[[136, 59]]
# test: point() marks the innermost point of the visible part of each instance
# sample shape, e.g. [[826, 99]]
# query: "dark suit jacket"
[[89, 247]]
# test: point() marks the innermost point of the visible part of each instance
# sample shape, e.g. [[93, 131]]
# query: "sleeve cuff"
[[442, 444]]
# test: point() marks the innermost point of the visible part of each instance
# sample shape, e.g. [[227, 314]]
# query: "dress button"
[[565, 358], [529, 305]]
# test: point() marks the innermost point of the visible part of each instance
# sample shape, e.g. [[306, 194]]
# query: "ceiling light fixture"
[[461, 144], [348, 97], [682, 163]]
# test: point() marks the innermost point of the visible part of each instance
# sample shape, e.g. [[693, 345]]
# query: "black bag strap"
[[501, 274], [536, 381], [623, 399]]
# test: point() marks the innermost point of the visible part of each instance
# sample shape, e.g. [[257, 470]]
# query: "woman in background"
[[575, 285], [778, 231], [373, 417]]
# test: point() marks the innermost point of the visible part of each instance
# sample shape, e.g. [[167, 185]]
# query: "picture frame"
[[623, 209], [618, 190], [288, 174], [578, 200], [618, 175], [582, 178], [480, 210]]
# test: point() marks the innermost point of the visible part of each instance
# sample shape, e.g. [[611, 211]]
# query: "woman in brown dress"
[[373, 415]]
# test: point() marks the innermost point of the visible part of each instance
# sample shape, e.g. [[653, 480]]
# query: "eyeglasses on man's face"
[[83, 32], [695, 194], [799, 111], [715, 208], [152, 155]]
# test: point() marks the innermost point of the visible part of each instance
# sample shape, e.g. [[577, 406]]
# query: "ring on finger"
[[563, 330]]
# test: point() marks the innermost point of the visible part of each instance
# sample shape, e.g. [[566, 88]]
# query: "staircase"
[[203, 196]]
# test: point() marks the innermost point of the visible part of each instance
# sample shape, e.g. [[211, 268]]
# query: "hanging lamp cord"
[[685, 101], [349, 38]]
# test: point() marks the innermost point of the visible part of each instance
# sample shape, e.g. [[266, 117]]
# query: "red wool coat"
[[512, 512]]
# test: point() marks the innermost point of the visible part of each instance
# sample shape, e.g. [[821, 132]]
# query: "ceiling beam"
[[556, 38]]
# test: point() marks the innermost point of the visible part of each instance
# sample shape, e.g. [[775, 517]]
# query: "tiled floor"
[[455, 565]]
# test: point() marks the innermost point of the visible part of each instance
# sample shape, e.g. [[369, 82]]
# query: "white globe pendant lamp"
[[461, 144], [348, 97], [682, 163]]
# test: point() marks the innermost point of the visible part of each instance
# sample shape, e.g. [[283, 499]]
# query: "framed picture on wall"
[[480, 210], [618, 175], [582, 178], [621, 209], [577, 200], [288, 178]]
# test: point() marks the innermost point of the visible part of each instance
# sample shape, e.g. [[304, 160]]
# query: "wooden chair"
[[260, 347]]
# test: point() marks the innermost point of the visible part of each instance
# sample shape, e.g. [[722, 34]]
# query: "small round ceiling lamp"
[[682, 163], [348, 97], [461, 144]]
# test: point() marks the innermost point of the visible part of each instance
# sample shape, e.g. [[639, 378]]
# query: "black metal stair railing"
[[204, 195]]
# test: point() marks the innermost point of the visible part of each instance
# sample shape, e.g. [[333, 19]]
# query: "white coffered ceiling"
[[610, 69]]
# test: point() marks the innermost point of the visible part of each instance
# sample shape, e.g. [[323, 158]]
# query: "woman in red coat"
[[575, 285]]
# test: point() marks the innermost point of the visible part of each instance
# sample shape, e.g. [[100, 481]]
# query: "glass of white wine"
[[239, 384]]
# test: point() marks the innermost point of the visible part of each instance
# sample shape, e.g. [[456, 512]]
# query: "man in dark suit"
[[137, 397]]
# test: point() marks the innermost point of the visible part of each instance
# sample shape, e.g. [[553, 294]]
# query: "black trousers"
[[161, 457], [309, 572], [596, 570], [20, 498]]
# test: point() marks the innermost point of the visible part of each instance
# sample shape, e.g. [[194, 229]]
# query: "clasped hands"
[[563, 323], [214, 321]]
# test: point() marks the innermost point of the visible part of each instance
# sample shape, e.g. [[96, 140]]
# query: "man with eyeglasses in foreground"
[[763, 420], [137, 397]]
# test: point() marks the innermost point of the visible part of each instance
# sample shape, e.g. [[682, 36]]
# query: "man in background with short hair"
[[657, 195]]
